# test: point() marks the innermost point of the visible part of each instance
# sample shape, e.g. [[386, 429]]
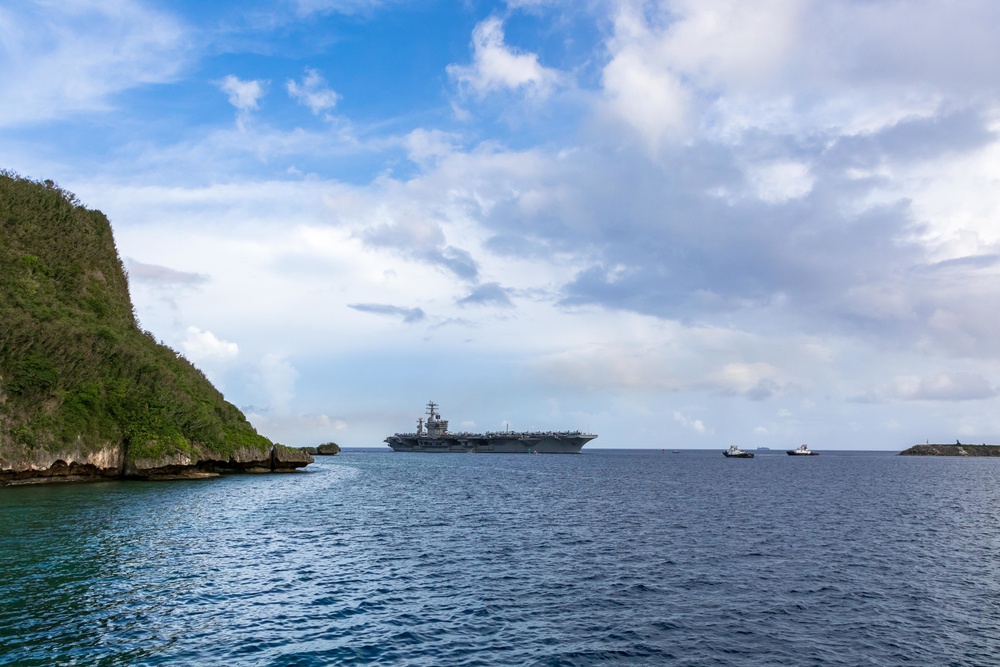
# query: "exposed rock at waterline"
[[952, 450], [86, 469]]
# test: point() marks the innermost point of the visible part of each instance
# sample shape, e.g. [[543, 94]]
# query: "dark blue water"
[[609, 557]]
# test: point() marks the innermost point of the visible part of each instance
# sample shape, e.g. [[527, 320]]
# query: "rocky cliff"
[[84, 391]]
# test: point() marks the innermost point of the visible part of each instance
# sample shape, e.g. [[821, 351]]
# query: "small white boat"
[[735, 452], [803, 450]]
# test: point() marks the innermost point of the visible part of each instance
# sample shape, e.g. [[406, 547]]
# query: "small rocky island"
[[326, 449], [958, 449], [85, 392]]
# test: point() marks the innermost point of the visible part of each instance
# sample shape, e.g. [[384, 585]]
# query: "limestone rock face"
[[286, 458], [111, 464], [109, 458], [63, 466], [243, 459], [143, 467]]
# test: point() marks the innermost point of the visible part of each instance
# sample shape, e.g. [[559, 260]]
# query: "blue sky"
[[674, 223]]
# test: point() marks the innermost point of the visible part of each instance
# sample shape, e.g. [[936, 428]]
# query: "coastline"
[[952, 450]]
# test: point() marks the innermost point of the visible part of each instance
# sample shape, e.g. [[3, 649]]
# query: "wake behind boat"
[[802, 450], [735, 452]]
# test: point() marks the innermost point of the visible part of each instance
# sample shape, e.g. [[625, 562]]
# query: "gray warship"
[[432, 436]]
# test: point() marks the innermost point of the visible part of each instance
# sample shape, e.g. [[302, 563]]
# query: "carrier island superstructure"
[[433, 436]]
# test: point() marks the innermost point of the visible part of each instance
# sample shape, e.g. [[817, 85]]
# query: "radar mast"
[[436, 426]]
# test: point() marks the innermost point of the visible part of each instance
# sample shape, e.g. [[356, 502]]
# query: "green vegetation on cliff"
[[76, 371]]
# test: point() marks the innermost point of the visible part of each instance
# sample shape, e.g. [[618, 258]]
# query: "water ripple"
[[606, 558]]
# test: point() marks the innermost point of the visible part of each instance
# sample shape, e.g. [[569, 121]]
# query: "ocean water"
[[604, 558]]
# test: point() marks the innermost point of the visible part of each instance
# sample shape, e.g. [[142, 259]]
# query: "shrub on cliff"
[[76, 371]]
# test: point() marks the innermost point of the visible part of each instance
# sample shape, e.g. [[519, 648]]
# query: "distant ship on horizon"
[[433, 436]]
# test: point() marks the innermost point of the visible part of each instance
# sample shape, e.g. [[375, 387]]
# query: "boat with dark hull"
[[802, 450], [433, 436], [735, 452]]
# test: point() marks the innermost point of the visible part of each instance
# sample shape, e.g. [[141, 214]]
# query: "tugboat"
[[433, 436], [803, 450], [735, 452]]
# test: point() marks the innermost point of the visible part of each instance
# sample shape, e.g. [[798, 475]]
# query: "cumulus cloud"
[[723, 67], [652, 100], [764, 176], [244, 95], [669, 58], [313, 92], [695, 425], [496, 66], [201, 345]]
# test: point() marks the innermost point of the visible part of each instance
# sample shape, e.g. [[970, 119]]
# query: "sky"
[[672, 223]]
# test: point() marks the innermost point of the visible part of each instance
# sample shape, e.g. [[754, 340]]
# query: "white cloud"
[[244, 95], [277, 377], [960, 386], [65, 58], [307, 7], [426, 146], [695, 425], [652, 100], [199, 346], [313, 92], [295, 429], [496, 66], [780, 181], [744, 377], [722, 43], [724, 67], [666, 55]]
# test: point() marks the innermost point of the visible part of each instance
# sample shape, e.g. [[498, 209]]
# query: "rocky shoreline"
[[86, 393], [109, 464], [957, 449]]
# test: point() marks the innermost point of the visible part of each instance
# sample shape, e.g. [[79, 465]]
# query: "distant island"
[[958, 449], [326, 449], [85, 392]]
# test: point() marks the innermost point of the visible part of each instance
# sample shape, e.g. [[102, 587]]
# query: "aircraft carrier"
[[432, 436]]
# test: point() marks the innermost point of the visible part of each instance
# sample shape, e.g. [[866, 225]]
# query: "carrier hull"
[[514, 443]]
